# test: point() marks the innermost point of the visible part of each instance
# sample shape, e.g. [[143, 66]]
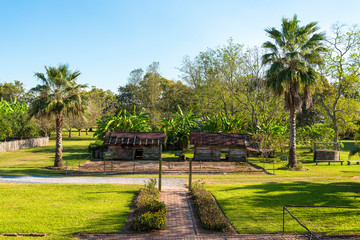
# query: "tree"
[[12, 91], [15, 122], [292, 57], [124, 121], [227, 124], [341, 82], [229, 80], [154, 93], [178, 129], [59, 95]]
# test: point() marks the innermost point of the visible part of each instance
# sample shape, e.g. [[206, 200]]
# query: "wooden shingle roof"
[[135, 138], [223, 139]]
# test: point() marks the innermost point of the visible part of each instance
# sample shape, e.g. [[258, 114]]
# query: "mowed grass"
[[61, 210], [33, 161], [257, 208], [253, 203]]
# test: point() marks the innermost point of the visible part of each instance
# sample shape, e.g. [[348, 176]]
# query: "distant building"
[[132, 145], [210, 146]]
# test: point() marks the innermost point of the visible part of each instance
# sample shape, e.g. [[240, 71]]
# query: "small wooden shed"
[[210, 146], [134, 145]]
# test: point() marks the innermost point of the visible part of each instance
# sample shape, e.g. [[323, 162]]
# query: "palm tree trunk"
[[59, 147], [292, 146]]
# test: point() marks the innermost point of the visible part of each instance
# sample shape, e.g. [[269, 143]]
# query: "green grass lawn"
[[33, 161], [253, 203], [257, 208], [61, 210]]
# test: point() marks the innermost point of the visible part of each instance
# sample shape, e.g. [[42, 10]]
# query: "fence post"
[[283, 220], [190, 173], [160, 172]]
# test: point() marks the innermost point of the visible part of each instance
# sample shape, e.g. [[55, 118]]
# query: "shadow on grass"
[[27, 171], [114, 223], [300, 193]]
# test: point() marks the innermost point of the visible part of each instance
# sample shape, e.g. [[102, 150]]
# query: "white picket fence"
[[23, 144]]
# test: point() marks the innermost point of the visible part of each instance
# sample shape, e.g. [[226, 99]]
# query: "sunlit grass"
[[61, 210], [33, 161], [257, 208]]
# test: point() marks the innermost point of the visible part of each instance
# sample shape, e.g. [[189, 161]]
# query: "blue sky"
[[106, 39]]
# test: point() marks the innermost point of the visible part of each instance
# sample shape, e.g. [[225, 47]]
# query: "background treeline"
[[221, 90]]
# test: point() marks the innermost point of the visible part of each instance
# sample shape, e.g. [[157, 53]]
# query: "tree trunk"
[[292, 146], [86, 131], [70, 133], [79, 132], [336, 129], [59, 147]]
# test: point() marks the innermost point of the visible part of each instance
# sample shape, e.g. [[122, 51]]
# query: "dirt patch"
[[58, 168], [168, 167], [355, 178]]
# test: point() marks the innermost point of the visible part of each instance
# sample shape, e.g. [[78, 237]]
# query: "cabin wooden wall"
[[126, 152], [213, 153]]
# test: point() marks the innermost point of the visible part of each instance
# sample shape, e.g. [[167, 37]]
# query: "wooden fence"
[[23, 144]]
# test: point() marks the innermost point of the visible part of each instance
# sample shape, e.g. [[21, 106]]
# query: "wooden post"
[[283, 220], [160, 172], [190, 173], [134, 160]]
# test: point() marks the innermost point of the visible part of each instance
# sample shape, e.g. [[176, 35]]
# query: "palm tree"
[[292, 57], [59, 95]]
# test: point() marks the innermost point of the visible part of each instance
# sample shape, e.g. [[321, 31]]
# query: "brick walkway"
[[180, 225]]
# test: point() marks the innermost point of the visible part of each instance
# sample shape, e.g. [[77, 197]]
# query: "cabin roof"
[[221, 139], [135, 138]]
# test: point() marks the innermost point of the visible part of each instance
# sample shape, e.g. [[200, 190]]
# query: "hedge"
[[150, 214], [210, 215]]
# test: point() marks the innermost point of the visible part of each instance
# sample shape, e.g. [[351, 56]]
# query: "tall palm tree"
[[292, 56], [58, 95]]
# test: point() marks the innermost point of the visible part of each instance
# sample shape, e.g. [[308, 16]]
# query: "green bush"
[[151, 220], [209, 213], [150, 213], [95, 144]]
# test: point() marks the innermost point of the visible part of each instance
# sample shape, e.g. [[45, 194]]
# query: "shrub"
[[209, 213], [150, 220], [150, 213]]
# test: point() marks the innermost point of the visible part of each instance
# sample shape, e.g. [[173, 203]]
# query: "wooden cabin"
[[218, 146], [132, 145]]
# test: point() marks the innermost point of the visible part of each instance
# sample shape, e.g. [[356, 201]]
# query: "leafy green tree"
[[124, 121], [178, 129], [270, 134], [356, 149], [15, 122], [229, 80], [5, 127], [227, 124], [292, 56], [340, 85], [318, 132], [59, 95], [12, 91], [154, 93]]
